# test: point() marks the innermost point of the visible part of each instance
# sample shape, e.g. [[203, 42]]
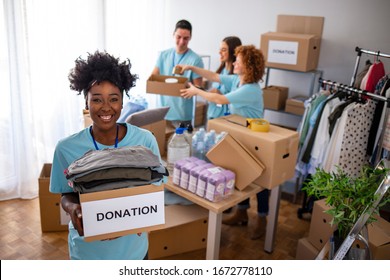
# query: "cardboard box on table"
[[276, 150], [53, 217], [185, 230], [114, 213], [232, 155], [275, 97], [156, 84], [296, 43]]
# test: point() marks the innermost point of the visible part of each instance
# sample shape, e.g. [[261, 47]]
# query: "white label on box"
[[123, 213], [283, 52]]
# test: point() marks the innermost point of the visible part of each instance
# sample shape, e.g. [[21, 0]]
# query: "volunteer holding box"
[[181, 110], [245, 97], [102, 79]]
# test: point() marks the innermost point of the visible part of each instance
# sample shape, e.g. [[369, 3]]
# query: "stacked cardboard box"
[[275, 97], [296, 43], [296, 105]]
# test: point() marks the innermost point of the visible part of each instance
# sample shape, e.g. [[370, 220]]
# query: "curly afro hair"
[[254, 61], [99, 67]]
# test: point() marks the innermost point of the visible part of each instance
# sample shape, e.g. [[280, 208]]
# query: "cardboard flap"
[[300, 24], [379, 232]]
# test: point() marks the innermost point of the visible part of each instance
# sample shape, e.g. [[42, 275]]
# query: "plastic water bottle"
[[178, 148]]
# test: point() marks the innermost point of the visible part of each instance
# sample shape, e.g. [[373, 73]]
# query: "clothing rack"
[[359, 54], [372, 96]]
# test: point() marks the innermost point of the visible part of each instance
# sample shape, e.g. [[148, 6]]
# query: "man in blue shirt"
[[181, 109]]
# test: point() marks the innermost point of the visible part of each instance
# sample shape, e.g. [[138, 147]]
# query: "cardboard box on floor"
[[305, 250], [53, 217], [185, 230], [156, 84], [296, 43], [379, 239], [276, 150], [275, 97], [320, 229], [107, 214], [230, 154]]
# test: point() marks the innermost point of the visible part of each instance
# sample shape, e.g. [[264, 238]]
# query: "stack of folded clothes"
[[109, 169]]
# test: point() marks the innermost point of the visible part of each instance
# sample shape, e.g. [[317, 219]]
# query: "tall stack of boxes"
[[294, 46]]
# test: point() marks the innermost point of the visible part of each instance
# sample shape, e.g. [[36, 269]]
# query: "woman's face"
[[239, 67], [104, 101], [224, 52]]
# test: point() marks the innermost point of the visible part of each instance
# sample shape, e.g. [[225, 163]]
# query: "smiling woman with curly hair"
[[102, 78]]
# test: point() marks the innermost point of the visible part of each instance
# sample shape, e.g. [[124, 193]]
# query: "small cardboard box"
[[200, 113], [296, 43], [232, 155], [53, 217], [320, 229], [305, 250], [114, 213], [296, 105], [275, 97], [277, 149], [379, 239], [156, 84], [185, 230]]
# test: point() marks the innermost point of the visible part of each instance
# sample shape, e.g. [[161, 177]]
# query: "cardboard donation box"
[[53, 217], [296, 105], [166, 85], [185, 230], [305, 250], [232, 155], [276, 150], [296, 43], [275, 97], [114, 213]]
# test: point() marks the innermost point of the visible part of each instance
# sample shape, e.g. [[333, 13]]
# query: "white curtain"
[[39, 41]]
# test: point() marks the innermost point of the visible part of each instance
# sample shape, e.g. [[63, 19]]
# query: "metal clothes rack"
[[359, 54]]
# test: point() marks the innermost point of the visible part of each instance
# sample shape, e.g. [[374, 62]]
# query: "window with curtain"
[[39, 41]]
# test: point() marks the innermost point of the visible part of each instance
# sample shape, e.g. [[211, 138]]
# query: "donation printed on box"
[[296, 43], [118, 192], [276, 150]]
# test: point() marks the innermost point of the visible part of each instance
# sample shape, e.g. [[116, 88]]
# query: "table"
[[216, 210]]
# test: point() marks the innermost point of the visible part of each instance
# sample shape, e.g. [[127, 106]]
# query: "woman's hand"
[[181, 68], [190, 91], [71, 204]]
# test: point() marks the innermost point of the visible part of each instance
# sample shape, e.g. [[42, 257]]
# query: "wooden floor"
[[21, 237]]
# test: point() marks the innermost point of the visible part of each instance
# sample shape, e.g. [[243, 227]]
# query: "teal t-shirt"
[[68, 150], [218, 110], [181, 109], [245, 100]]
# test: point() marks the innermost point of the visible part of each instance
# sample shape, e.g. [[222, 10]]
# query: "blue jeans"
[[262, 203]]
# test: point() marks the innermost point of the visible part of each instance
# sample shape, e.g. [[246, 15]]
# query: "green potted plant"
[[347, 197]]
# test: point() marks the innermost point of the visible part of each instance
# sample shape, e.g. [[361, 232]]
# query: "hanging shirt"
[[245, 100], [377, 71], [181, 109], [68, 150]]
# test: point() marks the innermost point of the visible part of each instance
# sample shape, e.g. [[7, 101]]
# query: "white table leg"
[[213, 235], [272, 221]]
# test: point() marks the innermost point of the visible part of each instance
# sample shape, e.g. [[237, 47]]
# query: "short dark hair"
[[99, 67], [184, 24]]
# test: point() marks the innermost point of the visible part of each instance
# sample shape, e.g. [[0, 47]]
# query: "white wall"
[[348, 23]]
